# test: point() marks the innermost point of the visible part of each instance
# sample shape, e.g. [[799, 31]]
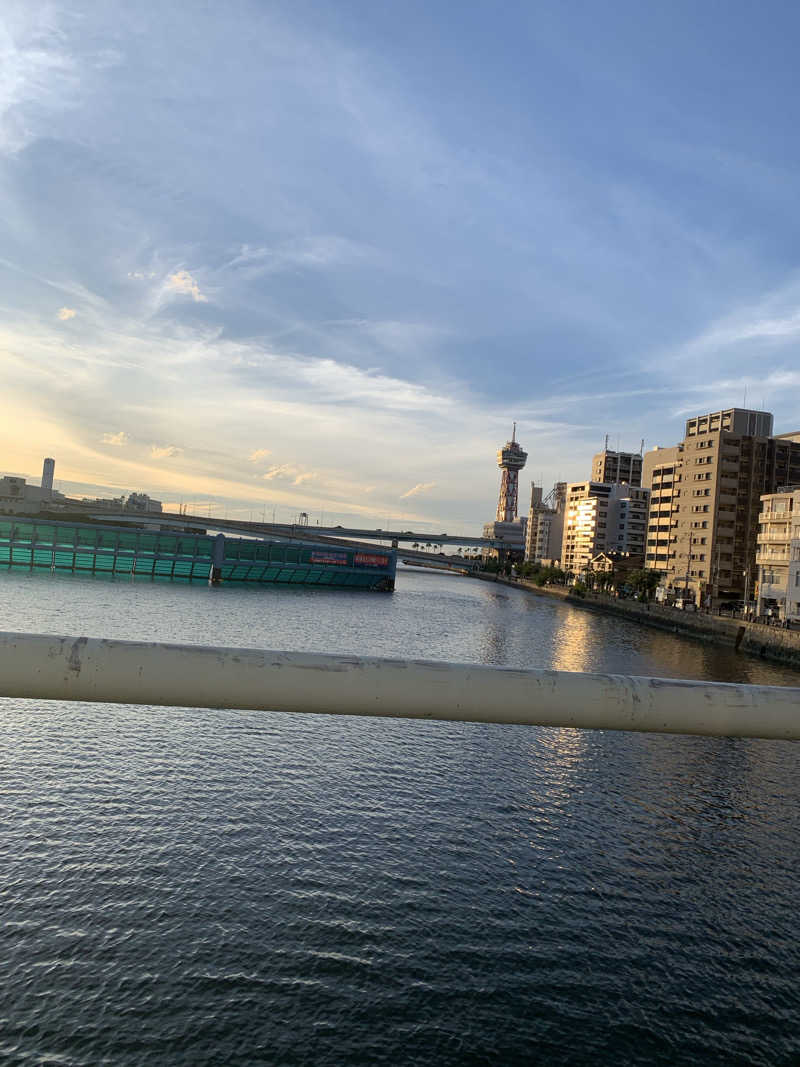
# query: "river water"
[[205, 887]]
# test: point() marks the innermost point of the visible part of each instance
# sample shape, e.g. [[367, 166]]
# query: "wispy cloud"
[[289, 472], [66, 313], [284, 471], [117, 439], [35, 76], [418, 490], [342, 381], [182, 282], [45, 72], [165, 451], [753, 326], [745, 328], [325, 250], [259, 454]]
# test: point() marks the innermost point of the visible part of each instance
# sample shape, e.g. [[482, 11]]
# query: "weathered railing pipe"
[[44, 667]]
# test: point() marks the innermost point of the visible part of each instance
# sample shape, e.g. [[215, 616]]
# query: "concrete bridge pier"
[[217, 559]]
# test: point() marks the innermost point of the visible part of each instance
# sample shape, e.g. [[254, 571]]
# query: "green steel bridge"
[[103, 548]]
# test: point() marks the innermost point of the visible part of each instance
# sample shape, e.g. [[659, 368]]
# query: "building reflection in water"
[[496, 645]]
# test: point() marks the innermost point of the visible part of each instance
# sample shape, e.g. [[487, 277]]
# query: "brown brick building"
[[705, 500]]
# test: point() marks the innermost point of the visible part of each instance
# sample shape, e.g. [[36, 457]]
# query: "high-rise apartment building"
[[627, 526], [602, 518], [705, 500], [661, 472], [778, 555], [610, 467]]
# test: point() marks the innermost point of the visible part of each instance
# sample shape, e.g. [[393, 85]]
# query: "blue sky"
[[317, 256]]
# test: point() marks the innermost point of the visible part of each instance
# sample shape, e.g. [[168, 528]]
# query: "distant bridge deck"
[[294, 530], [338, 535]]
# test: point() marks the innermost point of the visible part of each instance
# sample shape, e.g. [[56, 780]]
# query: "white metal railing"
[[44, 667]]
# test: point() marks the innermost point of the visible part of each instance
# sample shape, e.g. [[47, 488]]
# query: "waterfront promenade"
[[770, 642]]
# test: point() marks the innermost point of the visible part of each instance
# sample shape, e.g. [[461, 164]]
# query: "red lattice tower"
[[510, 459]]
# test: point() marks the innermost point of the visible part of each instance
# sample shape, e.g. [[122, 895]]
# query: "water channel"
[[198, 887]]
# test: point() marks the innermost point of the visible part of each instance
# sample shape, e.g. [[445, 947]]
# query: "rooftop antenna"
[[641, 448], [514, 434], [605, 446]]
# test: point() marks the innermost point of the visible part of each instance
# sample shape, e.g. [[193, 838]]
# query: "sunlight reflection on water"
[[197, 887]]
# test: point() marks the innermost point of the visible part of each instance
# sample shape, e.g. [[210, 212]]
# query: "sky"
[[268, 257]]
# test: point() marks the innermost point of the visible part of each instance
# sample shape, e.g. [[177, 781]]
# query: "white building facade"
[[778, 555], [545, 525], [602, 518]]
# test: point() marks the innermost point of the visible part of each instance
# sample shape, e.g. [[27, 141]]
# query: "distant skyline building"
[[611, 467], [18, 497], [142, 502], [512, 533], [510, 459], [48, 470]]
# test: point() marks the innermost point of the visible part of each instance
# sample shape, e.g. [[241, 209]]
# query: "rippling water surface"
[[206, 887]]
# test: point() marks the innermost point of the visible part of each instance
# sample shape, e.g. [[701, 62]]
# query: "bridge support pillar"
[[217, 559]]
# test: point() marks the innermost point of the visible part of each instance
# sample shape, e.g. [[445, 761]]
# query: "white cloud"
[[288, 472], [165, 451], [183, 282], [345, 382], [750, 329], [417, 490], [46, 71], [33, 76], [259, 454], [277, 472], [119, 439], [66, 313]]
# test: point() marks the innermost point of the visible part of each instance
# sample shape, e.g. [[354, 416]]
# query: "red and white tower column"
[[510, 459]]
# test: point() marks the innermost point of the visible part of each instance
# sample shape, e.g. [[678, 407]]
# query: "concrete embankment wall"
[[768, 642]]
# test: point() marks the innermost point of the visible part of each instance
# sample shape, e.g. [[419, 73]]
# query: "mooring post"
[[217, 559]]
